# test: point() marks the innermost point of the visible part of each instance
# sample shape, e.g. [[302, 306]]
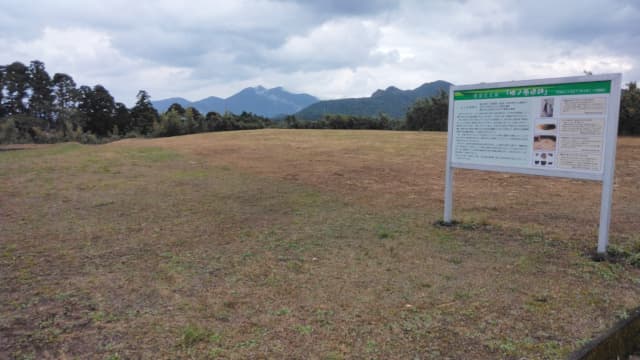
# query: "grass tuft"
[[191, 335]]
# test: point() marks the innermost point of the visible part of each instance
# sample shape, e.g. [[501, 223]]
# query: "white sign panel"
[[542, 127], [556, 127]]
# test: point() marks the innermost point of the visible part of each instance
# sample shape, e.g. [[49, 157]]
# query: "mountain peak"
[[258, 100], [377, 93], [440, 83], [391, 90], [392, 101]]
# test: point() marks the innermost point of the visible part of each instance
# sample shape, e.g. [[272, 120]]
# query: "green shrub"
[[9, 133], [89, 138]]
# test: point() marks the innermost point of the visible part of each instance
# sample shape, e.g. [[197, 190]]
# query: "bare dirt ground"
[[301, 244]]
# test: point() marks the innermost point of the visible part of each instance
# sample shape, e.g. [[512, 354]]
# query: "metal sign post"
[[562, 127]]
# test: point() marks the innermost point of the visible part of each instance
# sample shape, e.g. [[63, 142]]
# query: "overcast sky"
[[329, 49]]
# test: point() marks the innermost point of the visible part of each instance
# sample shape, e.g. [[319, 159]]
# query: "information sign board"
[[555, 127]]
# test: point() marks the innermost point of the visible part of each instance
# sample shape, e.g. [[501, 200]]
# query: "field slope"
[[301, 244]]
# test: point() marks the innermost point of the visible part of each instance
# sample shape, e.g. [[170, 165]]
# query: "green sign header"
[[582, 88]]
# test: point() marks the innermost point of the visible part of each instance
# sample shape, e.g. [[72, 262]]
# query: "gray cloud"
[[581, 21], [347, 7], [328, 48]]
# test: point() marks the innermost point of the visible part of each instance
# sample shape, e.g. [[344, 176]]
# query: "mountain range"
[[277, 102], [258, 100], [392, 102]]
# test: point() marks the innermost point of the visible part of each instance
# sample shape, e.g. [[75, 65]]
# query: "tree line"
[[37, 107], [180, 121], [345, 122]]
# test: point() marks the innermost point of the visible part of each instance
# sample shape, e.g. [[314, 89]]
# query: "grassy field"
[[302, 244]]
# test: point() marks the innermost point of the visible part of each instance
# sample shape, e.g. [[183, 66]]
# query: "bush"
[[89, 138], [429, 114], [9, 133], [132, 135], [170, 124], [380, 122], [43, 137], [71, 132]]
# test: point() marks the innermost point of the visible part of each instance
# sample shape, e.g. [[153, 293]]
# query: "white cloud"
[[90, 58], [334, 44], [81, 49], [328, 49]]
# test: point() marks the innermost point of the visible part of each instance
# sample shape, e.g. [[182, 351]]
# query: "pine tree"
[[99, 110], [41, 100], [66, 98], [143, 114], [16, 84]]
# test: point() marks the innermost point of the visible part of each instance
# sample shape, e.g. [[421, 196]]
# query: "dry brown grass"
[[406, 169], [300, 244]]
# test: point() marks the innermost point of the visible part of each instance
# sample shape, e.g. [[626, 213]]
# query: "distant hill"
[[212, 103], [163, 105], [257, 100], [393, 102]]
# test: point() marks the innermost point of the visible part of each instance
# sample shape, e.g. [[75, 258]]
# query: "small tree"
[[192, 120], [291, 122], [9, 133], [212, 120], [170, 124], [630, 111], [2, 75], [177, 108], [429, 114], [66, 98], [16, 84], [98, 108], [143, 114], [122, 119], [41, 100]]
